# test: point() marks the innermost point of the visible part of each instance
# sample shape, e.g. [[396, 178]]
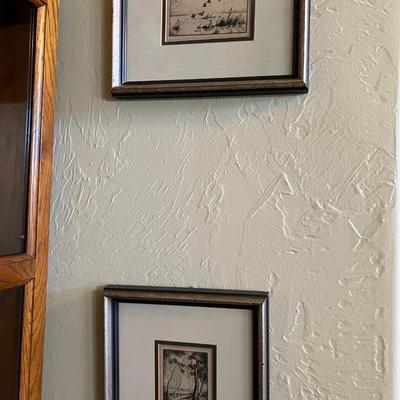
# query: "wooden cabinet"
[[28, 38]]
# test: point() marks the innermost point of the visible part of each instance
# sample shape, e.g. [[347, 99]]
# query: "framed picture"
[[185, 344], [187, 48], [189, 22], [185, 370]]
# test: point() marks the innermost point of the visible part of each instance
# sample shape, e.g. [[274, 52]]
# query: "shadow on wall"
[[106, 49], [82, 312]]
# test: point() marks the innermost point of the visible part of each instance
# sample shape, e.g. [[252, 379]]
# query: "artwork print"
[[185, 371], [199, 21]]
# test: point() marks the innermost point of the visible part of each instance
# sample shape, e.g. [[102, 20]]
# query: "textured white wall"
[[293, 195]]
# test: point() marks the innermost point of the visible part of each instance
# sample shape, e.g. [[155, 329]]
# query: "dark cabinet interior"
[[17, 28], [11, 308], [16, 77]]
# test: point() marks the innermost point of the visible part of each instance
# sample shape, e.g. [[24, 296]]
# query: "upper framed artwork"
[[185, 344], [189, 48]]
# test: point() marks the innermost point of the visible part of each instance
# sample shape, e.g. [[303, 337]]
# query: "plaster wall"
[[293, 195]]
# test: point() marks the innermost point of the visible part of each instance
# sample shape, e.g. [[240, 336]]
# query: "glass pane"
[[16, 43], [11, 311]]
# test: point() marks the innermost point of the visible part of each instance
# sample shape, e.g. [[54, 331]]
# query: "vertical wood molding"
[[44, 196], [37, 99], [30, 269], [26, 343]]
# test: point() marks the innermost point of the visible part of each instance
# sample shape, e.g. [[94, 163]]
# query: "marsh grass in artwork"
[[185, 371], [190, 21]]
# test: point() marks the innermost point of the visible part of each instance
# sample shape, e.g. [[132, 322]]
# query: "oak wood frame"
[[30, 269], [295, 83], [255, 301]]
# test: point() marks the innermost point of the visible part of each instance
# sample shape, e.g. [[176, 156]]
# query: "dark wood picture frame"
[[295, 83], [213, 349], [257, 302]]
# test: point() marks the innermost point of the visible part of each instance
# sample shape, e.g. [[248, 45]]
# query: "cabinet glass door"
[[17, 29]]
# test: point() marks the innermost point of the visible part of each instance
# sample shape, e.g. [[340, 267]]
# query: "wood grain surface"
[[29, 270]]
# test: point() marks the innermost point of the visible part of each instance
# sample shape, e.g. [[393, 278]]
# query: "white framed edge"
[[304, 34], [298, 83], [108, 349], [117, 37], [265, 350]]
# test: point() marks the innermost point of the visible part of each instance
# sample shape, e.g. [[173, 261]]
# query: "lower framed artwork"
[[185, 344]]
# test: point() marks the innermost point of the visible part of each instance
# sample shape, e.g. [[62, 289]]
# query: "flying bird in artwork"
[[193, 15], [201, 14]]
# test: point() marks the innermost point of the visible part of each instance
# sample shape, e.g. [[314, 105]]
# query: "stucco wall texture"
[[293, 195]]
